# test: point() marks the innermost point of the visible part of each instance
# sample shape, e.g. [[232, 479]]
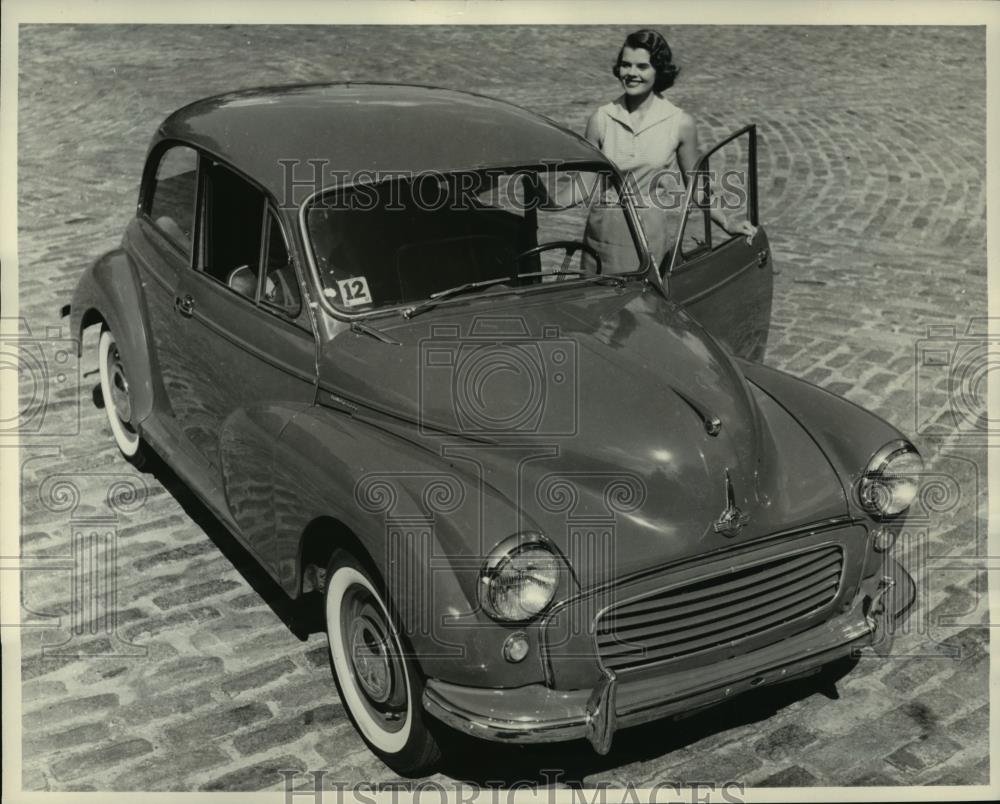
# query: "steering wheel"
[[569, 246]]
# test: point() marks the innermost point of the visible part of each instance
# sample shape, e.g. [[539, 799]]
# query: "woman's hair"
[[659, 56]]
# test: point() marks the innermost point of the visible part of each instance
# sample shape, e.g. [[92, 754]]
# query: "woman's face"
[[635, 72]]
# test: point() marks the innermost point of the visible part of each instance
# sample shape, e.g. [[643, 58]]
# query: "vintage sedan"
[[544, 490]]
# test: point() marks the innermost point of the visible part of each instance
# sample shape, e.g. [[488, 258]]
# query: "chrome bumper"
[[536, 714]]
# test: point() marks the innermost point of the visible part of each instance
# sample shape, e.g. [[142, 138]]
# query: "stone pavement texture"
[[872, 169]]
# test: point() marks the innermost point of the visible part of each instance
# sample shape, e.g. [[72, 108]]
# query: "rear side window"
[[233, 230], [242, 244], [172, 204]]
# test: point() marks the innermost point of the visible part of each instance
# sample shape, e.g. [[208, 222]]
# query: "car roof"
[[356, 129]]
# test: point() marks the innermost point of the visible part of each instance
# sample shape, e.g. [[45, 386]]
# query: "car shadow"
[[302, 617], [488, 764]]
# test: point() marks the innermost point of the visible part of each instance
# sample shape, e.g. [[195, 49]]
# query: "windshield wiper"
[[441, 295], [618, 280], [367, 329], [434, 298]]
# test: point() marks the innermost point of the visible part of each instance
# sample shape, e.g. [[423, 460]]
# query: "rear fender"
[[109, 293]]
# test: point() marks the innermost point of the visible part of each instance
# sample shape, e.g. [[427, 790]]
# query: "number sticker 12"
[[354, 291]]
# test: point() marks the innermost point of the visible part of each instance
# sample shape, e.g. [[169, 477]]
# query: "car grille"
[[718, 610]]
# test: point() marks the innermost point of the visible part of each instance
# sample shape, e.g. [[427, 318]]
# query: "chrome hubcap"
[[370, 656], [374, 658], [119, 386]]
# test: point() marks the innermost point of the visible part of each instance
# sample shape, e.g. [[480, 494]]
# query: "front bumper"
[[536, 713]]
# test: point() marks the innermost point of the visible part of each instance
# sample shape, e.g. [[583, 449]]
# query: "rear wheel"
[[118, 400], [379, 684]]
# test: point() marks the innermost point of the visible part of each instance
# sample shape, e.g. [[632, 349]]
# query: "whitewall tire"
[[380, 686], [118, 399]]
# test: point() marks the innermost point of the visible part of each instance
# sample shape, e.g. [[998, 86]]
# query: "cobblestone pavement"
[[872, 188]]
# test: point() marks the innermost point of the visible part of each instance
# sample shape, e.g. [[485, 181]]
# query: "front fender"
[[425, 522], [848, 434], [109, 291]]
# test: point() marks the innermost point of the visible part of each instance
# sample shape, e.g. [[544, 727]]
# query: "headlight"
[[891, 480], [519, 579]]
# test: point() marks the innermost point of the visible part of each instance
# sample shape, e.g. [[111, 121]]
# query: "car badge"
[[732, 520]]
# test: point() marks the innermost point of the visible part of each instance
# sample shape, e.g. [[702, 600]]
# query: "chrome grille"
[[718, 610]]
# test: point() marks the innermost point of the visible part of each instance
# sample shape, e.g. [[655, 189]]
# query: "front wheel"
[[118, 400], [379, 684]]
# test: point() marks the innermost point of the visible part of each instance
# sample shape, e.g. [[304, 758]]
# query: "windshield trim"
[[631, 215]]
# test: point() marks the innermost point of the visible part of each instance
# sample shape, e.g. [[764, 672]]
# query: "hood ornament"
[[732, 520]]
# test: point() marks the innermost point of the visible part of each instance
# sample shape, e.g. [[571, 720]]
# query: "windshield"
[[405, 240]]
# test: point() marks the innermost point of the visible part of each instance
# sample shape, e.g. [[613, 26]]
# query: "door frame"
[[699, 174]]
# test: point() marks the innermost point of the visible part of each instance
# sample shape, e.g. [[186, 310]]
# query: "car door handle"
[[184, 306]]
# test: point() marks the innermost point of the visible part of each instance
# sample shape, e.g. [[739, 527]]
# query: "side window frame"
[[270, 213], [204, 228], [681, 261], [147, 191]]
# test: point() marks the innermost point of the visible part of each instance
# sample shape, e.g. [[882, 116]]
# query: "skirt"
[[608, 234]]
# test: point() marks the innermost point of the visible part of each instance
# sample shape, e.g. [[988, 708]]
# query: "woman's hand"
[[743, 228]]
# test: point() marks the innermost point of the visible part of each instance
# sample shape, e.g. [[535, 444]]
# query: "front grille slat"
[[701, 630], [749, 591], [718, 610], [722, 584], [717, 638], [738, 609]]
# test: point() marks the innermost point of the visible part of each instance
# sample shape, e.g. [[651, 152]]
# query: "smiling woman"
[[653, 142]]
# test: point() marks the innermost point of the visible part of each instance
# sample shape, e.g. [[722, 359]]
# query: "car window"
[[697, 235], [172, 202], [584, 206], [560, 206], [723, 183], [232, 230], [403, 241], [281, 289]]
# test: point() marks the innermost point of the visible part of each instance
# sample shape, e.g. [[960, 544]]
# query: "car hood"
[[611, 419]]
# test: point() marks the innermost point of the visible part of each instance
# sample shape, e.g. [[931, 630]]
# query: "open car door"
[[723, 281]]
